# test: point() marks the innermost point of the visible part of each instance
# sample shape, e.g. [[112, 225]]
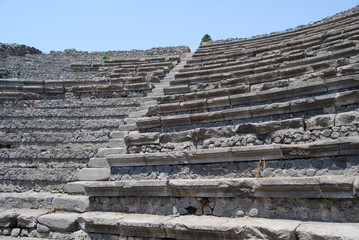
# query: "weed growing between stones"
[[260, 168], [104, 55]]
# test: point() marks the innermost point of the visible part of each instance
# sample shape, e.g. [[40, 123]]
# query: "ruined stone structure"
[[244, 139]]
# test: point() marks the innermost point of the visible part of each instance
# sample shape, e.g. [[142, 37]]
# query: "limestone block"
[[211, 187], [321, 122], [140, 226], [62, 222], [193, 105], [349, 145], [103, 152], [239, 99], [176, 120], [98, 163], [305, 187], [100, 222], [28, 217], [337, 187], [93, 174], [121, 160], [346, 118], [315, 149], [178, 89], [237, 113], [148, 122], [332, 231], [75, 187], [142, 139], [113, 143], [128, 188], [71, 203], [169, 107], [218, 102], [8, 218], [207, 117]]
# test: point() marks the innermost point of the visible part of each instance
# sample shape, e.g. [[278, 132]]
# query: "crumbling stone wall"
[[56, 64]]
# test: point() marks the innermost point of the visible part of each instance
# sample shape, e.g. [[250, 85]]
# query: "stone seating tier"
[[245, 139]]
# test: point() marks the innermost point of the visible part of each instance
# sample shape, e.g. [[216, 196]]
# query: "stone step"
[[57, 124], [20, 96], [76, 103], [103, 225], [102, 152], [300, 89], [323, 32], [289, 131], [272, 73], [303, 197], [329, 101], [207, 227], [338, 187], [344, 146], [44, 202], [65, 113], [116, 143], [179, 89], [53, 137]]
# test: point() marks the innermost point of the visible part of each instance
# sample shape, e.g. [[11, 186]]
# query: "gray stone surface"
[[71, 203], [8, 218], [28, 217], [327, 231], [93, 174], [62, 222]]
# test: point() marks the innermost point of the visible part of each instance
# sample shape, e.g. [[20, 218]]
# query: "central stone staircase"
[[245, 139]]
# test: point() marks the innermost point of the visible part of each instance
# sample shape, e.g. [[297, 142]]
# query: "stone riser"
[[208, 103], [105, 226], [74, 103], [291, 131], [328, 29], [331, 103], [289, 168], [343, 210], [256, 65], [46, 138], [61, 125], [314, 65]]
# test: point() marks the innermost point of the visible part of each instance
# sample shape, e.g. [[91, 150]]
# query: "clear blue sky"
[[100, 25]]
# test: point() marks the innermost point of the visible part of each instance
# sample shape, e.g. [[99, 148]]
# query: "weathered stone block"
[[71, 203], [93, 174], [62, 222], [8, 218], [28, 217]]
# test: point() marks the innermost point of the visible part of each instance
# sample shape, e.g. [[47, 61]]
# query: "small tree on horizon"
[[206, 38]]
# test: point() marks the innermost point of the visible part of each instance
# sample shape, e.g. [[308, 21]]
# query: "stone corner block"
[[93, 174]]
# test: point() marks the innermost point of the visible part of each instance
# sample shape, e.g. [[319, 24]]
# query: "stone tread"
[[339, 147], [292, 106], [278, 187], [205, 102], [208, 227], [200, 227]]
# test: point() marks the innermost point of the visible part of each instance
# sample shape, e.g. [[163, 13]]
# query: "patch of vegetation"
[[206, 38], [104, 55]]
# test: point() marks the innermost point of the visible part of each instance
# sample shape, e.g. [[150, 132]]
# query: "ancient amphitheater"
[[243, 139]]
